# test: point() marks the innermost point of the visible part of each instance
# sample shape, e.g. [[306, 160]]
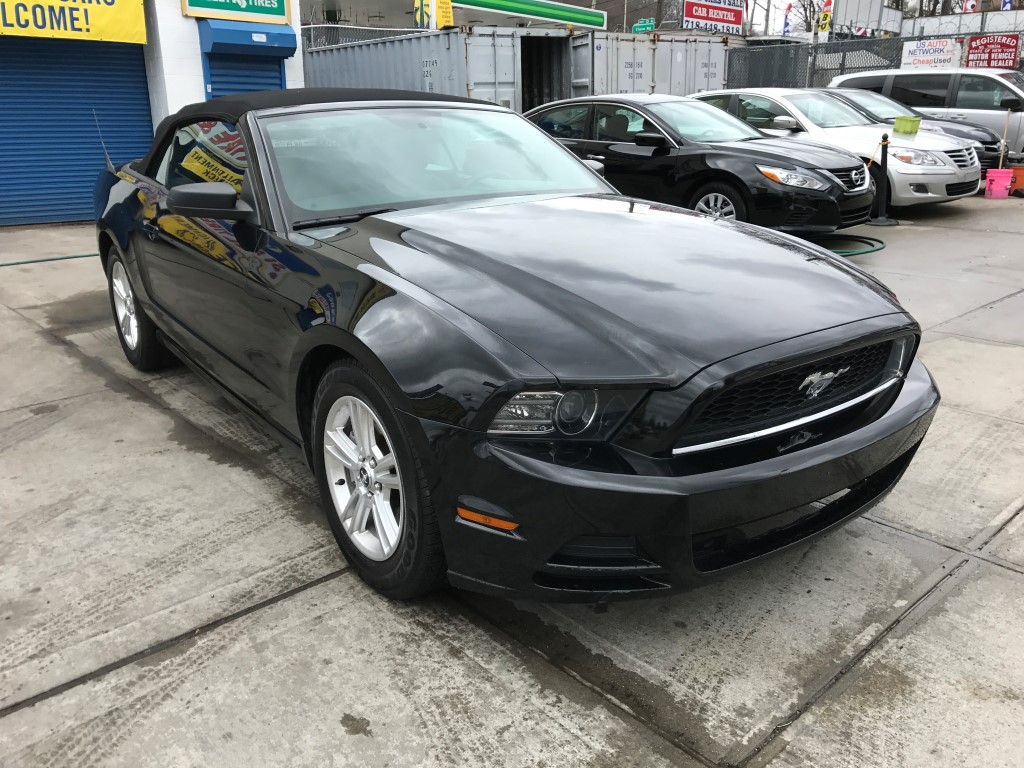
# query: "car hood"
[[864, 139], [978, 133], [604, 288], [803, 154]]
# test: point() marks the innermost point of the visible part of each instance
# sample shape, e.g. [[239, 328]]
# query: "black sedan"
[[502, 373], [882, 109], [677, 150]]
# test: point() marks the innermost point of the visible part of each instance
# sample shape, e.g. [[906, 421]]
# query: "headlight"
[[792, 178], [582, 413], [914, 156]]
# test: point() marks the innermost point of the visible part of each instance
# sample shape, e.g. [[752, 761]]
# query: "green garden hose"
[[43, 261], [870, 244]]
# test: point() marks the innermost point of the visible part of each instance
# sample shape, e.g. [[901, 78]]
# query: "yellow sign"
[[445, 14], [205, 167], [825, 22], [433, 14], [118, 21]]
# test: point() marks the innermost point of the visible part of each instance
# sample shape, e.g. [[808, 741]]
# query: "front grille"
[[855, 216], [963, 158], [852, 178], [783, 396], [962, 188]]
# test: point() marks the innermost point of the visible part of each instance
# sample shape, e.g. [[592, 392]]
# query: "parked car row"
[[794, 159]]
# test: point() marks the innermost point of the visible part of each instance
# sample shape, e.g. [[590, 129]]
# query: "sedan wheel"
[[719, 200], [365, 482], [716, 205]]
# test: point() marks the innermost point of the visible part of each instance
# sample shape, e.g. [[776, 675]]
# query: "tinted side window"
[[205, 151], [920, 90], [722, 102], [564, 123], [979, 92], [621, 124], [759, 111], [867, 83]]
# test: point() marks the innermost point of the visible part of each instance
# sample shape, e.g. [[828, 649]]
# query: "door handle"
[[958, 117], [151, 230], [599, 158]]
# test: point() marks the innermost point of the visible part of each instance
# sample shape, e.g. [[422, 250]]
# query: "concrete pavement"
[[170, 593]]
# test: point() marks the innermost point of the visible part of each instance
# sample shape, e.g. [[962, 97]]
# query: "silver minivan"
[[973, 95]]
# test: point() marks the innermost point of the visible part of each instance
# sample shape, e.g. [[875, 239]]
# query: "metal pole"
[[624, 3], [882, 193]]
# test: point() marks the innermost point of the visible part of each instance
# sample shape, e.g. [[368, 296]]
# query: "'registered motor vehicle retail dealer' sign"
[[116, 21], [266, 11]]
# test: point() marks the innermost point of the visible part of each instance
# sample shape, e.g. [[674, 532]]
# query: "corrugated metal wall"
[[522, 68], [242, 74], [434, 62], [50, 152]]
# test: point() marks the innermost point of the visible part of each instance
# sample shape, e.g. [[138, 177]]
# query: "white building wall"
[[174, 62], [293, 74]]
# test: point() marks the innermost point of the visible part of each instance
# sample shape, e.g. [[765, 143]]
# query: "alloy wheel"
[[362, 471], [124, 305], [716, 205]]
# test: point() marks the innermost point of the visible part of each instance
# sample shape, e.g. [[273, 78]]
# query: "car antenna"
[[106, 156]]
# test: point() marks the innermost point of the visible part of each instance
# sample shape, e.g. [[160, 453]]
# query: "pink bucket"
[[997, 183]]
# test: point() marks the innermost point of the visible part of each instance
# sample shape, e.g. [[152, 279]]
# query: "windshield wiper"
[[345, 218]]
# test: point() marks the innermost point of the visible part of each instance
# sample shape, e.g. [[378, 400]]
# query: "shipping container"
[[523, 68]]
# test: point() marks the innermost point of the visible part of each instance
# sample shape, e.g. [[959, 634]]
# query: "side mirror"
[[596, 166], [1011, 103], [649, 139], [785, 123], [207, 200]]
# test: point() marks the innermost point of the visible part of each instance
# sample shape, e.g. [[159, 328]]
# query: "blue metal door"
[[233, 73], [50, 150]]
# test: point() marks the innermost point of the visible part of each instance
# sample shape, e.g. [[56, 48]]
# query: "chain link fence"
[[812, 65], [316, 36]]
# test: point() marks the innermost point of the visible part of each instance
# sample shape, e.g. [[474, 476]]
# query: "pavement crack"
[[852, 663], [165, 645]]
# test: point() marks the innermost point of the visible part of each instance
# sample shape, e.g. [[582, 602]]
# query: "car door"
[[761, 113], [977, 99], [645, 172], [568, 124], [928, 93], [208, 276]]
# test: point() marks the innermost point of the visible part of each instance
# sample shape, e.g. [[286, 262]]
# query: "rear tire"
[[373, 487], [135, 330], [720, 200]]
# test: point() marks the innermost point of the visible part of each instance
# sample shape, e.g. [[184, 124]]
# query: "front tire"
[[372, 486], [720, 200], [135, 330]]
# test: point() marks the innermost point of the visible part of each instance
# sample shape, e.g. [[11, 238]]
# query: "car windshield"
[[1014, 78], [342, 161], [878, 105], [695, 121], [826, 112]]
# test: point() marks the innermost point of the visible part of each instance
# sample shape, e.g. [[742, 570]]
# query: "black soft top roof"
[[231, 108]]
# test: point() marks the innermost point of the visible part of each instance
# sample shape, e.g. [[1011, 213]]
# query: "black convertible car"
[[680, 151], [502, 372]]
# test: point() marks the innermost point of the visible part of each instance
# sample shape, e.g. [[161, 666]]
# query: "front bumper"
[[591, 532], [795, 210], [913, 186]]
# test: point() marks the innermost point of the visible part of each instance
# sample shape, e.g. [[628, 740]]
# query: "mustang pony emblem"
[[818, 381]]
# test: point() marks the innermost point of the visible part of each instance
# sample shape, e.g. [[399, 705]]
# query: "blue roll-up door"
[[50, 152], [232, 73]]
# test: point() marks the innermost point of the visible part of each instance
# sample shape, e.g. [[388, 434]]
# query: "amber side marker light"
[[490, 522]]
